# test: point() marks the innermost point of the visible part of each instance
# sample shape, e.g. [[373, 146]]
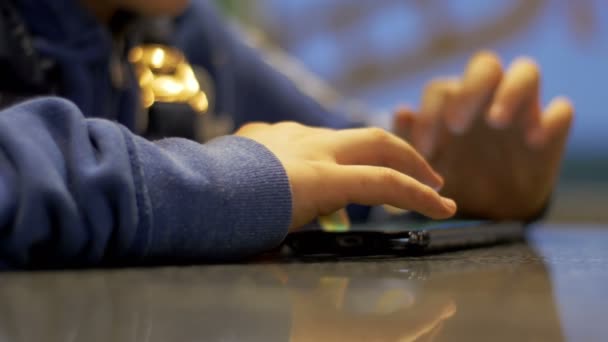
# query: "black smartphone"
[[406, 235]]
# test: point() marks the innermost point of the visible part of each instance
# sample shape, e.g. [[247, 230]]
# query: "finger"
[[426, 125], [297, 129], [371, 185], [519, 89], [375, 146], [403, 120], [481, 78], [555, 124], [251, 127], [254, 125]]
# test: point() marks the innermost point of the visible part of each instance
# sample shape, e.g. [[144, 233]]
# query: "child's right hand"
[[329, 169]]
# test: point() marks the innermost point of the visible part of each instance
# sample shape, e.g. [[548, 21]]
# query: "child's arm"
[[76, 191], [81, 192]]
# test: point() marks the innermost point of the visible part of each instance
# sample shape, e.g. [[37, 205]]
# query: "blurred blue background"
[[382, 52]]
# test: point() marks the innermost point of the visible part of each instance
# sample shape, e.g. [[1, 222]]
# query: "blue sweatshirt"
[[79, 188]]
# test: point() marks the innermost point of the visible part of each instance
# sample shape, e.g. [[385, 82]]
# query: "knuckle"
[[252, 126], [288, 125], [379, 135], [433, 102], [424, 194], [440, 90], [389, 177], [434, 86], [318, 169]]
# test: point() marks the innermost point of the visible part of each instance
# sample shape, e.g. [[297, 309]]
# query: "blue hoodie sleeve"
[[247, 87], [81, 192]]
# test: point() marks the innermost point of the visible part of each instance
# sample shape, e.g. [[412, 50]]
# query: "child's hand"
[[330, 169], [487, 134]]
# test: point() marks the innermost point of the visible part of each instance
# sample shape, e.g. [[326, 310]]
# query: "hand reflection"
[[503, 291], [385, 312]]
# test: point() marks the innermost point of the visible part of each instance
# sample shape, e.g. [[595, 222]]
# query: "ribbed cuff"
[[227, 199]]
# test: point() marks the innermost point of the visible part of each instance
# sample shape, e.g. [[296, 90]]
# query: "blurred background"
[[374, 54]]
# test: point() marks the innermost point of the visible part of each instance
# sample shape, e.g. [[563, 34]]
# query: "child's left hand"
[[488, 136]]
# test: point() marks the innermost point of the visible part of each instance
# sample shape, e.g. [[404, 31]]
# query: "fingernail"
[[535, 138], [496, 118], [440, 182], [426, 145], [435, 183], [458, 124], [448, 204]]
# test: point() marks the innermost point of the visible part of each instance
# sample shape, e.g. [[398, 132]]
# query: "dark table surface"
[[554, 287]]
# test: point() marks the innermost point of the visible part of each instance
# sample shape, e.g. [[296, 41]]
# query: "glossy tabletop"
[[552, 288]]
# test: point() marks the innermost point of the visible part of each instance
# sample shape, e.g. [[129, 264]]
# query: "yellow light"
[[200, 103], [167, 87], [147, 97], [164, 75], [145, 76], [192, 84], [158, 58], [136, 54], [185, 75]]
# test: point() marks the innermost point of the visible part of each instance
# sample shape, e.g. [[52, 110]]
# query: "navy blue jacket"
[[79, 188]]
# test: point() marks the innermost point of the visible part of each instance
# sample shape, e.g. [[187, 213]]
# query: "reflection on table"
[[497, 293]]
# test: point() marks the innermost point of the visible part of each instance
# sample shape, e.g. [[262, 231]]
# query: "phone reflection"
[[503, 293], [498, 294]]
